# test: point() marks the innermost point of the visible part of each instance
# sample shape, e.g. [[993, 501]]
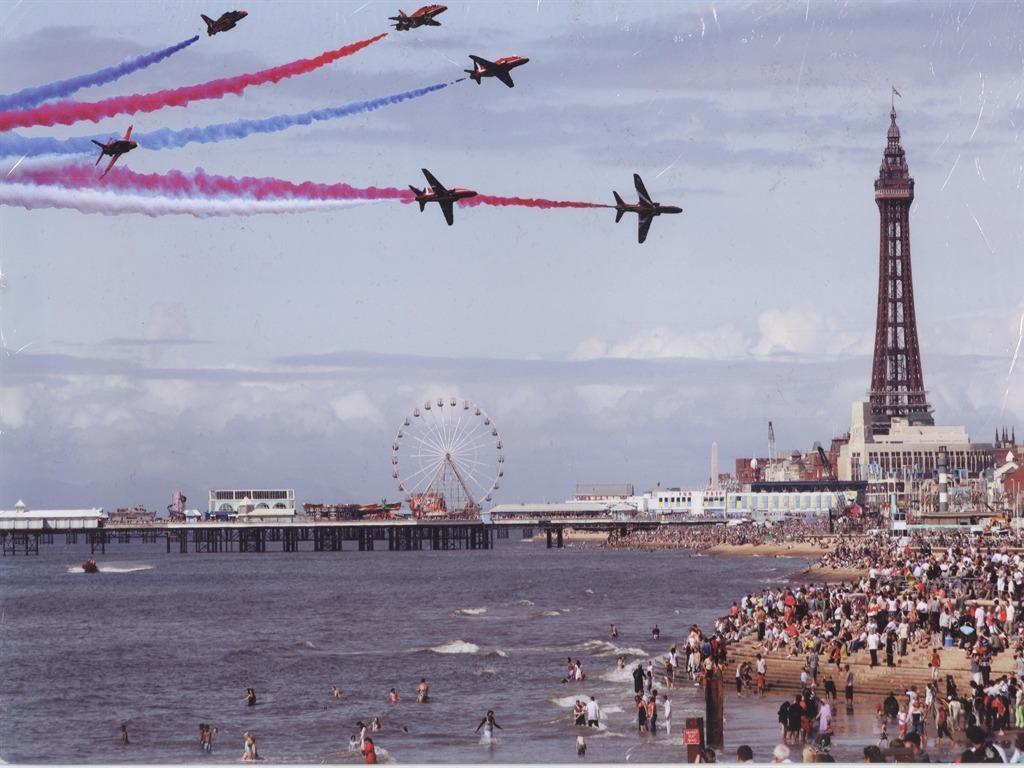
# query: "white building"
[[254, 504], [21, 518], [908, 452]]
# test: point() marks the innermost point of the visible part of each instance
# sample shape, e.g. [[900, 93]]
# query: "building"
[[249, 504], [137, 515], [603, 492], [21, 518]]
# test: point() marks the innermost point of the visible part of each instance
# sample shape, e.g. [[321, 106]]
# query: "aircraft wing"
[[449, 211], [128, 133], [111, 165], [435, 185], [644, 225], [505, 77], [641, 190]]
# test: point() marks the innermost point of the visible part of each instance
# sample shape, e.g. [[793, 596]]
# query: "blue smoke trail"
[[14, 145], [31, 97]]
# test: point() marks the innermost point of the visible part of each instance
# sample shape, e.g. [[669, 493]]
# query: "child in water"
[[392, 696], [488, 724]]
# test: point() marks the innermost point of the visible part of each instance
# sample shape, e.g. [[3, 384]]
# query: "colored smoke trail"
[[166, 138], [30, 97], [110, 203], [528, 202], [200, 183], [68, 112]]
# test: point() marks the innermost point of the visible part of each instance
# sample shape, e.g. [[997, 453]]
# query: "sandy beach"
[[768, 550]]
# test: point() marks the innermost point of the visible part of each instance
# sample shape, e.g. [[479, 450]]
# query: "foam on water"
[[525, 602], [550, 613], [471, 611], [112, 568], [617, 675], [604, 648], [456, 646]]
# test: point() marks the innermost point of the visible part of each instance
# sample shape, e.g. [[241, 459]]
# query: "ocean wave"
[[525, 602], [616, 675], [455, 646], [550, 613], [112, 568], [566, 702], [589, 591], [500, 652], [611, 710], [485, 671], [471, 611], [604, 648]]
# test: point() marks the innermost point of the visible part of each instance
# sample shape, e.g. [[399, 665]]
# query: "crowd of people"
[[953, 590], [706, 536]]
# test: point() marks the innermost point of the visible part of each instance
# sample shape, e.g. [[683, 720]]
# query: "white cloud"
[[722, 343], [357, 407], [808, 332]]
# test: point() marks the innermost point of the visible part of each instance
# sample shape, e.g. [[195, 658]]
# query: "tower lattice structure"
[[897, 380]]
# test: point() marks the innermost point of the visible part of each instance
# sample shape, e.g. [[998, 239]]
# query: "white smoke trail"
[[109, 203], [1013, 364]]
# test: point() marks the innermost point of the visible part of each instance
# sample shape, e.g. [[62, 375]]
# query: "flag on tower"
[[896, 93]]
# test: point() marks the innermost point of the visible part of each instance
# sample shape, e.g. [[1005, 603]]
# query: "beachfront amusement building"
[[269, 506]]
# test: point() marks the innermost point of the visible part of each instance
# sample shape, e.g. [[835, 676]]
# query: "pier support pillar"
[[548, 533], [693, 738], [560, 543], [714, 695]]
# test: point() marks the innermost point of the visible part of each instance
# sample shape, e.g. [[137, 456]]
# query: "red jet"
[[498, 69], [224, 23], [436, 193], [422, 17], [115, 148], [645, 208]]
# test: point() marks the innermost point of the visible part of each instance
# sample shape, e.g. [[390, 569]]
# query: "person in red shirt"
[[369, 753]]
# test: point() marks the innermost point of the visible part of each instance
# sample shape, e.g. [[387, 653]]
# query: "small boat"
[[89, 566]]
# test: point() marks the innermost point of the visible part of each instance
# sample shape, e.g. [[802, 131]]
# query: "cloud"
[[810, 333], [723, 343]]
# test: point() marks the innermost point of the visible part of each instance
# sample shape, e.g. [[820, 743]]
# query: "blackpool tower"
[[897, 381]]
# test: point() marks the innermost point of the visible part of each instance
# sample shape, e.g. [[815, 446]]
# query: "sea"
[[163, 642]]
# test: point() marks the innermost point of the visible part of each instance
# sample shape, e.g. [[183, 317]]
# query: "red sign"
[[691, 736]]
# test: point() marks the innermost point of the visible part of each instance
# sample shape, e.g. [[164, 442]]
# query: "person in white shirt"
[[666, 705], [593, 713]]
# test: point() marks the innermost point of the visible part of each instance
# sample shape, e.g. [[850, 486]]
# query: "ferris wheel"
[[447, 458]]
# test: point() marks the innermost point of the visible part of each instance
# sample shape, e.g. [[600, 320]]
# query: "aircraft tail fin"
[[101, 151], [619, 202], [209, 22], [418, 192], [473, 75]]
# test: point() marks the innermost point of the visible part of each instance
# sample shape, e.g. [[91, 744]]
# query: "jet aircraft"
[[422, 17], [436, 193], [644, 207], [499, 69], [115, 148], [224, 23]]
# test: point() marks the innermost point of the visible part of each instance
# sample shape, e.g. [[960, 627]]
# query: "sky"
[[142, 355]]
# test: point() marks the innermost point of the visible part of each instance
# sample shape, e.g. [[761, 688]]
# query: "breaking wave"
[[471, 611], [456, 646]]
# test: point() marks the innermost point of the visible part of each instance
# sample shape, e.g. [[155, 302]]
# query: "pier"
[[305, 535]]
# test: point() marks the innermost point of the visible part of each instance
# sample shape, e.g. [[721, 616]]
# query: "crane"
[[834, 483]]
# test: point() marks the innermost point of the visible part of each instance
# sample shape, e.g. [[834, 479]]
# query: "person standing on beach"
[[873, 646], [638, 679], [761, 667], [593, 713], [666, 707]]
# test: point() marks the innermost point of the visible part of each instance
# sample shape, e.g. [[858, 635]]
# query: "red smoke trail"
[[176, 183], [528, 202], [68, 112]]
